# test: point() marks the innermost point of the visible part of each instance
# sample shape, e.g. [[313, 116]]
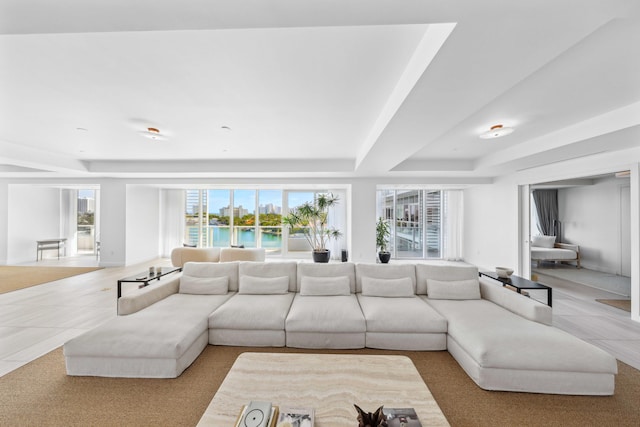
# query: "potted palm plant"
[[311, 220], [382, 240]]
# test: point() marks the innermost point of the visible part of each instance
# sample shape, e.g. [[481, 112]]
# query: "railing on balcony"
[[268, 237]]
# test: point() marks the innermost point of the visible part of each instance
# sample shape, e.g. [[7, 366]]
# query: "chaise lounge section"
[[505, 341]]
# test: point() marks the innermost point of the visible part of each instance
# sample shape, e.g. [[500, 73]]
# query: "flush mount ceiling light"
[[496, 131], [153, 133]]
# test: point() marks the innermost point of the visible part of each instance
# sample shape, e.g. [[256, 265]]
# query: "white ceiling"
[[314, 88]]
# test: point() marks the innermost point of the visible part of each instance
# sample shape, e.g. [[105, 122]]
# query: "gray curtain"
[[547, 208]]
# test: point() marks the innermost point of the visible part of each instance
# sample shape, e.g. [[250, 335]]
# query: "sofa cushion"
[[165, 329], [453, 289], [402, 315], [394, 288], [180, 256], [543, 241], [263, 285], [444, 271], [338, 285], [497, 338], [328, 314], [327, 270], [213, 269], [385, 271], [204, 285], [252, 312], [270, 269]]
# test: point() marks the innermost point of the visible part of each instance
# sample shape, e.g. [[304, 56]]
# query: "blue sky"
[[246, 198]]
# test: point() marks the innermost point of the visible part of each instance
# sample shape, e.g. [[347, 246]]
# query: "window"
[[416, 222], [248, 217]]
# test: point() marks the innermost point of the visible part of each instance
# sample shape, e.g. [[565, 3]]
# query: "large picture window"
[[247, 217]]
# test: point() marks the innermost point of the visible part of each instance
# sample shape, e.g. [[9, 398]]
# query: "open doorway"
[[87, 235], [580, 237]]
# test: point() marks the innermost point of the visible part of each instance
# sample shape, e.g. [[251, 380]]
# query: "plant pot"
[[321, 256], [384, 257]]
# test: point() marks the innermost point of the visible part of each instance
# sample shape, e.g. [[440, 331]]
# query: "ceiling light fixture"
[[153, 133], [496, 131]]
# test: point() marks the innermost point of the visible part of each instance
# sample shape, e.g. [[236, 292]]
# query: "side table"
[[143, 279], [520, 283]]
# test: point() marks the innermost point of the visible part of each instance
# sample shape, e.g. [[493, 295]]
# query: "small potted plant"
[[382, 240], [311, 220]]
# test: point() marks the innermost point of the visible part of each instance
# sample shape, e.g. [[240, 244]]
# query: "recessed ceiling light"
[[496, 131], [153, 133]]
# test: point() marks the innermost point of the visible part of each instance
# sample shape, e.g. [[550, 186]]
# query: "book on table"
[[401, 417], [295, 417]]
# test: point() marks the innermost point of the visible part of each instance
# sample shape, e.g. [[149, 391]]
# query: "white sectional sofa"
[[503, 340]]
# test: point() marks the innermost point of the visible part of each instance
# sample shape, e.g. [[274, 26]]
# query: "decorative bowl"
[[504, 272]]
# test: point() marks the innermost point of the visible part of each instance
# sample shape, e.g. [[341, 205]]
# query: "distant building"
[[86, 205], [238, 212]]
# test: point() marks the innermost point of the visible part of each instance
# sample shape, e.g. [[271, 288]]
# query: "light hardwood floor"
[[36, 320]]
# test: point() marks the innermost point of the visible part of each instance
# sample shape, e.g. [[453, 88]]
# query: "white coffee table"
[[329, 383]]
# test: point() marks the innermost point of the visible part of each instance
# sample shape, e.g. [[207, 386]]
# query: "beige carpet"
[[622, 304], [41, 394], [16, 277]]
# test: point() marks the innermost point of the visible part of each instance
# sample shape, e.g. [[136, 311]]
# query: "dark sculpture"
[[367, 419]]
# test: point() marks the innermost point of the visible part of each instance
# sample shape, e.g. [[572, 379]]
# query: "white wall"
[[362, 221], [33, 214], [142, 223], [590, 217], [491, 226], [113, 220], [4, 222]]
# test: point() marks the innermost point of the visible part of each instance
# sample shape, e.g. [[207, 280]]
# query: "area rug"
[[18, 277], [40, 393], [622, 304]]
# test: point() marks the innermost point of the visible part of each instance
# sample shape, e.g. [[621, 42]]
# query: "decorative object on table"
[[257, 414], [310, 219], [383, 232], [152, 271], [401, 417], [504, 272], [296, 417], [368, 419]]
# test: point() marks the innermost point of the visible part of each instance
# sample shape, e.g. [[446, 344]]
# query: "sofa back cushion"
[[270, 269], [327, 270], [453, 289], [543, 241], [394, 288], [213, 269], [324, 286], [204, 285], [242, 254], [263, 285], [443, 273], [181, 256], [385, 271]]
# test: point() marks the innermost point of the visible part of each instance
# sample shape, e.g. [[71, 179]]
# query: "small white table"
[[329, 383]]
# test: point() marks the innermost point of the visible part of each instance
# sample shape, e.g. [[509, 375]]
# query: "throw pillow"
[[204, 285], [543, 241], [394, 288], [263, 285], [322, 286], [453, 289]]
